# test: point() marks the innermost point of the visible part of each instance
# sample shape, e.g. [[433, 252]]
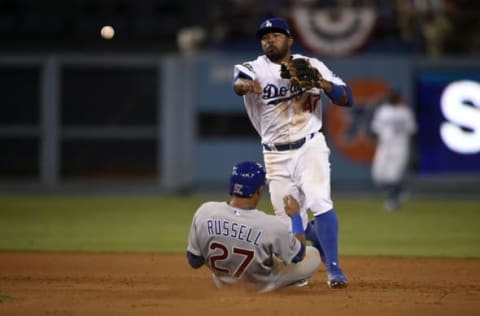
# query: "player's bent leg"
[[326, 227], [304, 269], [294, 272]]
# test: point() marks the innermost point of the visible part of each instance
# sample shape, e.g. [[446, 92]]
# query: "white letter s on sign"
[[459, 114]]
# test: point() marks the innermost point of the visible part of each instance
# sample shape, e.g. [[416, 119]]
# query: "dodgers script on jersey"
[[282, 113], [239, 244]]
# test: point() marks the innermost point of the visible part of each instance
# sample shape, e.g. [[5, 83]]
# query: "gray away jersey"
[[240, 243]]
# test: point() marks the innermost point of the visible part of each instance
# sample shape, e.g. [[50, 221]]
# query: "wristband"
[[336, 94], [297, 224]]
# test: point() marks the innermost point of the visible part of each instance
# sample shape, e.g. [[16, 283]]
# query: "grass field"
[[439, 228]]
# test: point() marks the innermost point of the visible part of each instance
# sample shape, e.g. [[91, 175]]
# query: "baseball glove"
[[300, 73]]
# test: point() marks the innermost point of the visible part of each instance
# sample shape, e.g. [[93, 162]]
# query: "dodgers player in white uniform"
[[394, 124], [289, 122], [238, 242]]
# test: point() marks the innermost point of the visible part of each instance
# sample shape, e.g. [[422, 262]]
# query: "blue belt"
[[288, 146]]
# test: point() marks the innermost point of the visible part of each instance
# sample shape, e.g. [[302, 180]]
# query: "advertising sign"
[[448, 116]]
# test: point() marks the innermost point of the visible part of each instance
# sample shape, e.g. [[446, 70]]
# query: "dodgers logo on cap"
[[273, 25]]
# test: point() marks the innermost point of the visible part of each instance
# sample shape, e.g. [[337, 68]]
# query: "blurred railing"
[[91, 118]]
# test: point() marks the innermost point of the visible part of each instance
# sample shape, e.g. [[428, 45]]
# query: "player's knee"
[[313, 256]]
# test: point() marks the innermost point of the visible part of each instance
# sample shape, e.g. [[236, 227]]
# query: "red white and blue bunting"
[[333, 31]]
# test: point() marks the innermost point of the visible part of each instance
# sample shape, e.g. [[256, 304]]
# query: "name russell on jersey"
[[234, 230]]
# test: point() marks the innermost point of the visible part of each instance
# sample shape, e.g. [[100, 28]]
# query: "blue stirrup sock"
[[326, 227], [311, 235]]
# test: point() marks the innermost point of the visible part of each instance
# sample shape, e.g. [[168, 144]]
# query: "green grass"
[[95, 223], [443, 228]]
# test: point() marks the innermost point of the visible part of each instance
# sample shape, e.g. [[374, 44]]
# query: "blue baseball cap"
[[273, 25], [246, 178]]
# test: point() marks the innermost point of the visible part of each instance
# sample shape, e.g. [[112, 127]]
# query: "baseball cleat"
[[337, 284], [336, 278]]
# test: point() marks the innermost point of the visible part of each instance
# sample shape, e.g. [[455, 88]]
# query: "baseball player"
[[394, 124], [288, 119], [238, 242]]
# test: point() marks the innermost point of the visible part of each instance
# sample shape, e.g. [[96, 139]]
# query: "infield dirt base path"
[[154, 284]]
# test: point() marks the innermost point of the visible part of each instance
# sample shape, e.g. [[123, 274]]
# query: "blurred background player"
[[394, 124], [289, 122], [239, 242]]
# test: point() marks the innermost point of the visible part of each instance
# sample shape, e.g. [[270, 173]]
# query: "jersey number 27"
[[224, 253]]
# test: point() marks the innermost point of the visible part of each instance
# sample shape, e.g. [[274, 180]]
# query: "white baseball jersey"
[[282, 113], [247, 245], [394, 125]]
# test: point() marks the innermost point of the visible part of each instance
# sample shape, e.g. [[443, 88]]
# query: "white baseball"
[[107, 32]]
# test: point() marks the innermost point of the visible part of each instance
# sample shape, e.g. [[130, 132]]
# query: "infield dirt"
[[159, 284]]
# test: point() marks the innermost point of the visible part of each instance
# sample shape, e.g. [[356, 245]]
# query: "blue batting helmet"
[[247, 177]]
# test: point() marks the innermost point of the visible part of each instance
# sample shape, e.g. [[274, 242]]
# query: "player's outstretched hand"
[[291, 205], [251, 86]]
